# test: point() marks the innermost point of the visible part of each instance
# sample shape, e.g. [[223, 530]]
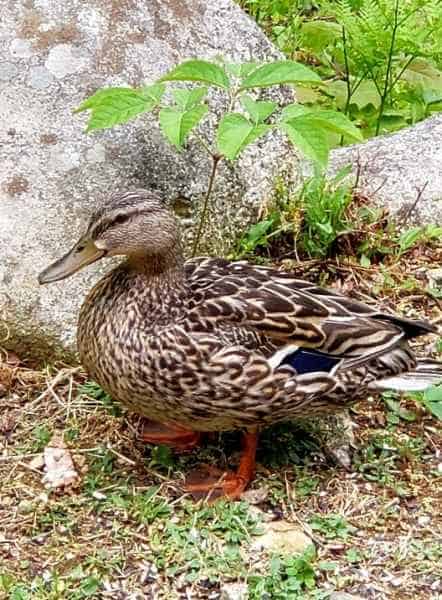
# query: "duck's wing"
[[290, 310]]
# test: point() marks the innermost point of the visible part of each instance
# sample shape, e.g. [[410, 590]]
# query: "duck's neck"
[[166, 266]]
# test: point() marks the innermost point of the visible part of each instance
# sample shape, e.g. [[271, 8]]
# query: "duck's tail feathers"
[[427, 373]]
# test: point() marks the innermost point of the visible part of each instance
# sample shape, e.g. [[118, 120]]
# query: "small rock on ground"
[[282, 537], [344, 596], [234, 591]]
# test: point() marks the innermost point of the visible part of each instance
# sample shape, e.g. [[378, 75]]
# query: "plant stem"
[[215, 161], [389, 67], [347, 73]]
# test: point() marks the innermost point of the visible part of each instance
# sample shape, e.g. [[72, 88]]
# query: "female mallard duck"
[[210, 345]]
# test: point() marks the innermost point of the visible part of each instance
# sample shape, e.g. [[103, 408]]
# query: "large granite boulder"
[[402, 171], [54, 55]]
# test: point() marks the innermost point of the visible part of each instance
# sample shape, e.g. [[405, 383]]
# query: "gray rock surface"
[[52, 175], [396, 168]]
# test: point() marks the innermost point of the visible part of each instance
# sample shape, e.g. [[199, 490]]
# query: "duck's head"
[[135, 224]]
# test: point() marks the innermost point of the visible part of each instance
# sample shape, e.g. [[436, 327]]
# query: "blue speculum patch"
[[310, 361]]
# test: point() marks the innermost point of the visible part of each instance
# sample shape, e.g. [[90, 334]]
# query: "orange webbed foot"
[[178, 438], [211, 483]]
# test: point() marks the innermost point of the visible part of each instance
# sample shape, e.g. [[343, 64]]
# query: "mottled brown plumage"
[[201, 343]]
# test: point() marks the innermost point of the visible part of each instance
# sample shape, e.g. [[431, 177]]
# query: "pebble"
[[99, 495], [282, 537], [25, 507], [234, 591], [37, 463], [344, 596]]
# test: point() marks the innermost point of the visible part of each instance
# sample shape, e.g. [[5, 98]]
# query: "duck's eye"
[[80, 248], [120, 219]]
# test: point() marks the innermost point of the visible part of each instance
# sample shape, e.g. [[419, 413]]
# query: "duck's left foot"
[[176, 437], [212, 483]]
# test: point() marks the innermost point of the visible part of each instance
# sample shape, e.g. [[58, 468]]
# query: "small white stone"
[[64, 161], [40, 78], [99, 495], [96, 154], [20, 48], [234, 591], [65, 60], [423, 520], [38, 462]]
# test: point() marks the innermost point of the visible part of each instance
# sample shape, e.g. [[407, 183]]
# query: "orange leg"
[[173, 435], [213, 483]]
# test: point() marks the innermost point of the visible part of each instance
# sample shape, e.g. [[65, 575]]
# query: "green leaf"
[[241, 70], [198, 70], [292, 111], [330, 120], [408, 238], [365, 261], [422, 72], [235, 132], [432, 401], [309, 139], [90, 586], [395, 407], [317, 35], [187, 99], [153, 93], [259, 111], [337, 123], [177, 124], [279, 72], [365, 94], [113, 106]]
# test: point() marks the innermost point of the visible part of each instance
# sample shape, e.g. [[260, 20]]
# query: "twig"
[[420, 191], [215, 160]]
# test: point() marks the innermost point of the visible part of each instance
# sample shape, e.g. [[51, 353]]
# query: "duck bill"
[[82, 254]]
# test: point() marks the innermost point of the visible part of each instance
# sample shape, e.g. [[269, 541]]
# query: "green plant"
[[380, 60], [431, 399], [42, 436], [395, 411], [147, 506], [324, 205], [93, 391], [289, 577], [331, 526], [246, 119], [312, 220]]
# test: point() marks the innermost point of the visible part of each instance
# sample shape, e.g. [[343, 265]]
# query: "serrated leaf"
[[432, 400], [176, 124], [310, 140], [199, 70], [235, 132], [114, 106], [259, 111], [187, 99], [279, 72]]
